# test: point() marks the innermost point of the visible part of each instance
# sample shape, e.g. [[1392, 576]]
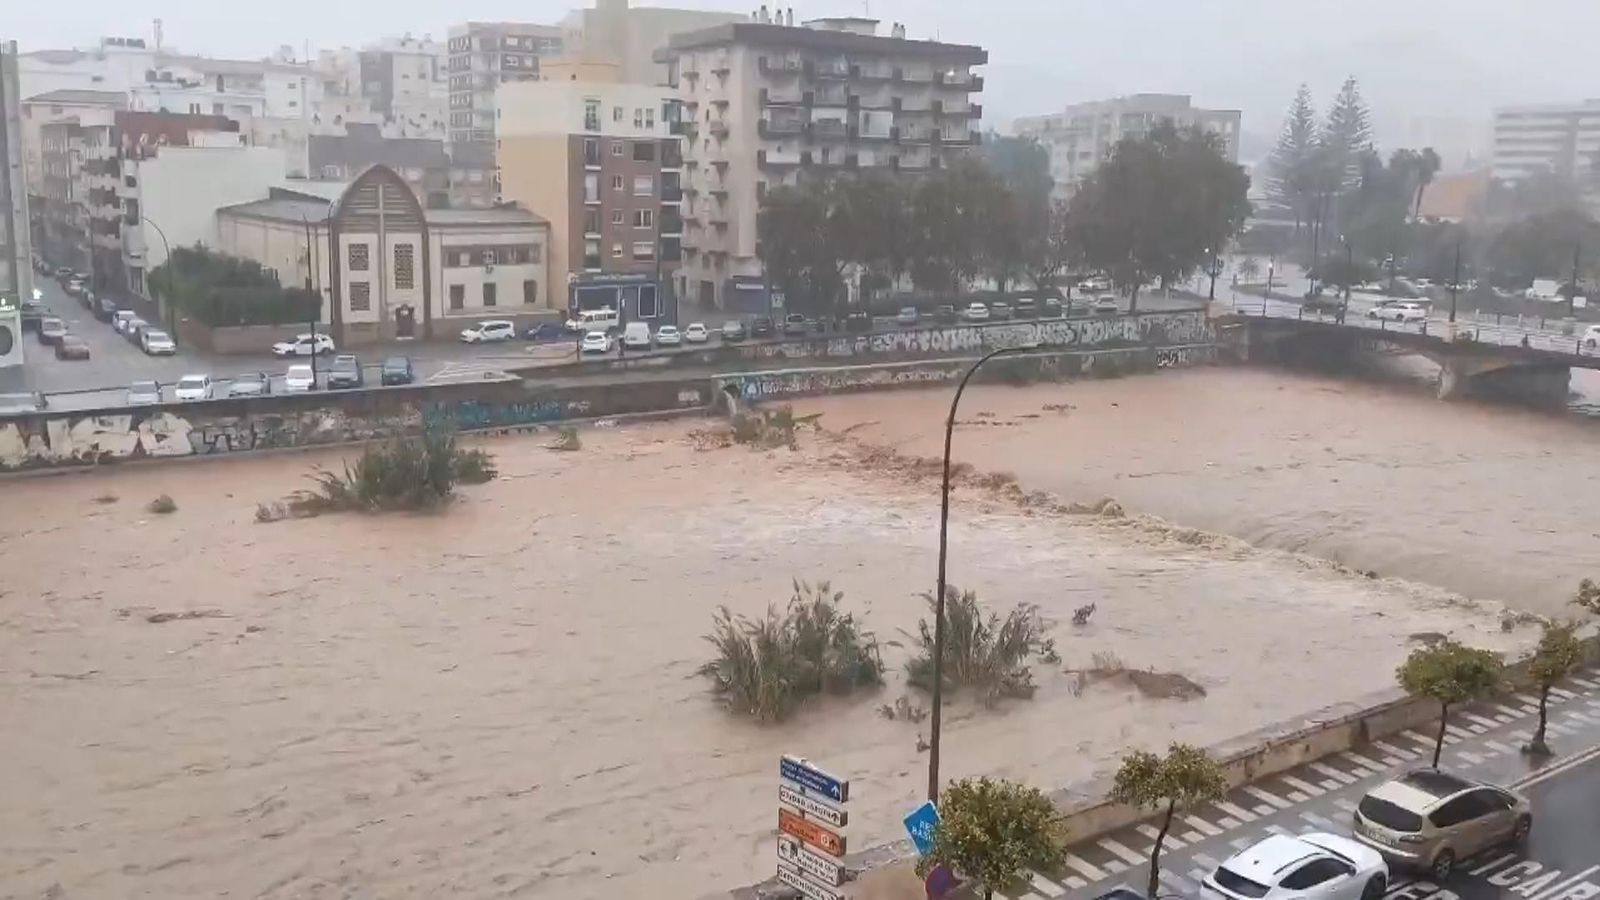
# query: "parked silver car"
[[1430, 820]]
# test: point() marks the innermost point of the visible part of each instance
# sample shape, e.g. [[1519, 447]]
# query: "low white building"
[[387, 268]]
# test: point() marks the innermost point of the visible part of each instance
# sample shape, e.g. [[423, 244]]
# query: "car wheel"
[[1519, 831], [1443, 865], [1375, 888]]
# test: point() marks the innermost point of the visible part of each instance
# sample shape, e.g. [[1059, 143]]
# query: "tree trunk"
[[1133, 300], [1438, 744], [1537, 745], [1155, 852]]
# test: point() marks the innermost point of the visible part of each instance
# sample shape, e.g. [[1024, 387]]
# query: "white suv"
[[489, 331], [304, 345], [1308, 867], [1591, 339], [1402, 311]]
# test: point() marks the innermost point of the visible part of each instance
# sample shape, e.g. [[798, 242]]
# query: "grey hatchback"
[[1428, 819]]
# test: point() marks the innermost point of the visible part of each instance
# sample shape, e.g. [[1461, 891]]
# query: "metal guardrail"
[[1475, 330]]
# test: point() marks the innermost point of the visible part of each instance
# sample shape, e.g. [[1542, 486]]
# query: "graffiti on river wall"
[[757, 386], [477, 415], [1151, 328]]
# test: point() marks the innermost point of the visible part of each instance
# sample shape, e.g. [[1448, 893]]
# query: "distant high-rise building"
[[484, 54], [765, 102], [16, 255], [1562, 138], [1082, 135]]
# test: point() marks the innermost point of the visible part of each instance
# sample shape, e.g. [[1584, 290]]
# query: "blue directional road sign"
[[920, 823], [814, 779]]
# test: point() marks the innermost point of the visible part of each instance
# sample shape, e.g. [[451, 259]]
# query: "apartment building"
[[598, 160], [484, 55], [78, 210], [1081, 135], [16, 253], [765, 101], [630, 36], [1563, 139]]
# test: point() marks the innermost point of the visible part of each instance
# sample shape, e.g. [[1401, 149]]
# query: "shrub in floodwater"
[[982, 652], [163, 504], [768, 429], [567, 439], [765, 668], [414, 472]]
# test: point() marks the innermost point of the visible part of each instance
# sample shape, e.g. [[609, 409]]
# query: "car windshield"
[[345, 363], [299, 372], [1389, 815], [143, 387], [395, 364], [154, 336], [1238, 884], [191, 382], [248, 378]]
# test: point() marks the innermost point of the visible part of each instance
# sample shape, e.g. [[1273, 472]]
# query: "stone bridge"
[[1528, 366]]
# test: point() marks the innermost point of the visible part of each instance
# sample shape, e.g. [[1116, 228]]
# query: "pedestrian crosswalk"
[[1482, 741]]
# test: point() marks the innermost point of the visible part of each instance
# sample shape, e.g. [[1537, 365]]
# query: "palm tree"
[[1427, 165]]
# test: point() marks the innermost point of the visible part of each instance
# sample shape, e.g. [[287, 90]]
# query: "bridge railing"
[[1498, 333]]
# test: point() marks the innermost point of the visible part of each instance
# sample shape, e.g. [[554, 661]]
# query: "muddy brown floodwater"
[[501, 699]]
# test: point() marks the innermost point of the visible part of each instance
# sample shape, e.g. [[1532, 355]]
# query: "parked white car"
[[636, 336], [299, 379], [696, 333], [120, 320], [193, 387], [1401, 311], [304, 345], [1314, 866], [142, 392], [1106, 304], [490, 331], [596, 342], [157, 343], [1591, 338], [669, 336], [975, 312]]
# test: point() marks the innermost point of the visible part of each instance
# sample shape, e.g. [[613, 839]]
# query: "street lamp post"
[[1455, 283], [165, 304], [1572, 295], [944, 544], [1213, 265]]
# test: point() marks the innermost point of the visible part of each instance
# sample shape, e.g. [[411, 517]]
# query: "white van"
[[589, 320], [636, 336]]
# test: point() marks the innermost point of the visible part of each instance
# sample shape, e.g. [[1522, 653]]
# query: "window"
[[591, 188], [591, 151], [644, 250], [591, 221], [616, 182], [616, 114], [638, 117], [1461, 809], [644, 218], [360, 296], [536, 253], [1389, 815], [616, 251], [618, 216], [530, 291], [591, 115], [616, 148], [1239, 884], [649, 117], [458, 296], [404, 273], [488, 293], [489, 258], [644, 186], [647, 307], [1313, 873], [475, 176], [358, 257], [194, 108], [644, 151], [464, 258], [216, 109]]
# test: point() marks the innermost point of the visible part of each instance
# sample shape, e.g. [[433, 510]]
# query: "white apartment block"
[[1081, 135], [765, 102], [630, 36], [481, 56], [1563, 139]]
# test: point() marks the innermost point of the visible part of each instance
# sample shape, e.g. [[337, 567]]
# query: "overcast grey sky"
[[1413, 57]]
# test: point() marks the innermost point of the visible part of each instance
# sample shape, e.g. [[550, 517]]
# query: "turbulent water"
[[1494, 502]]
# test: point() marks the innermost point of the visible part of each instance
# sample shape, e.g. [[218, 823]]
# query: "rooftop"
[[115, 99], [764, 34], [283, 207], [495, 215], [290, 206]]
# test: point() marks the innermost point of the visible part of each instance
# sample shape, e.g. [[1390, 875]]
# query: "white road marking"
[[1574, 714], [1193, 837], [1395, 749], [1268, 796], [1496, 745], [1374, 766], [1471, 758], [1333, 773], [1235, 811], [1563, 693], [1508, 710], [1116, 866], [1228, 822], [1486, 723], [1558, 730], [1523, 735], [1202, 825], [1307, 787], [1345, 804], [1089, 870], [1075, 883], [1504, 719], [1044, 885], [1454, 734], [1279, 829], [1240, 843], [1425, 740], [1178, 883], [1322, 822], [1297, 797], [1586, 682], [1151, 832], [1206, 860], [1112, 846]]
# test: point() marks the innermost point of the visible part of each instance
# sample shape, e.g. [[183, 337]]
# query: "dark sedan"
[[345, 372], [397, 370], [51, 330], [105, 307], [761, 326], [70, 346]]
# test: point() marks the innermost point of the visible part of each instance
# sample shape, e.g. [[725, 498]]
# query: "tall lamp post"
[[1455, 283], [944, 544], [1572, 295], [166, 299], [1213, 268]]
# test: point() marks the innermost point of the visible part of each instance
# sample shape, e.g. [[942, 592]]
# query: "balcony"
[[872, 73], [830, 95], [912, 76], [719, 128], [780, 66], [671, 154], [682, 127], [774, 128], [781, 97], [777, 159], [671, 194], [721, 66], [959, 80], [911, 163], [591, 156], [671, 222], [690, 74], [830, 68], [829, 130]]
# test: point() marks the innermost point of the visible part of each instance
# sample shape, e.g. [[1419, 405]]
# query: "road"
[[1321, 796]]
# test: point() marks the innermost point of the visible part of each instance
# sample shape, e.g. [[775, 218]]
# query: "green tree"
[[1249, 268], [994, 832], [1450, 673], [1346, 136], [1541, 245], [876, 207], [1559, 653], [1156, 206], [1426, 166], [1186, 776], [1056, 248], [949, 210], [1293, 159], [1588, 596]]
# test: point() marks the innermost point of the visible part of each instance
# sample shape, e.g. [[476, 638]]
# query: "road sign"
[[824, 868], [814, 779], [816, 808], [810, 832], [807, 888], [940, 881], [920, 823]]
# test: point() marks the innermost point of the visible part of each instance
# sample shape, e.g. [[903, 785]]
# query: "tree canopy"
[[1185, 777], [995, 832]]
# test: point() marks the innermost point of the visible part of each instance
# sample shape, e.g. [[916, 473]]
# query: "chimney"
[[765, 17], [158, 35], [790, 23]]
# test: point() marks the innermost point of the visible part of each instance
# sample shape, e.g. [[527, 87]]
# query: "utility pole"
[[1455, 283], [1572, 298], [1316, 243]]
